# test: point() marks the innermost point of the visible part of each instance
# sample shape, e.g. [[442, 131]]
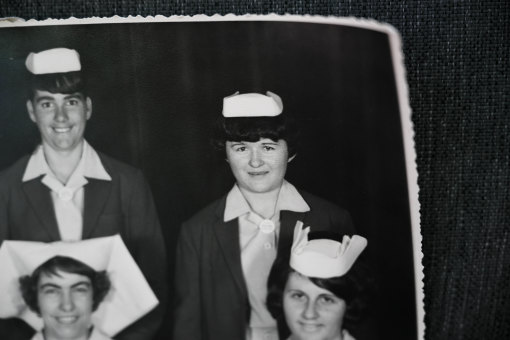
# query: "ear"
[[88, 102], [30, 109], [291, 158]]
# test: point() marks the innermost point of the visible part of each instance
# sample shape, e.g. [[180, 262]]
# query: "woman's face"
[[311, 312], [259, 167], [65, 304]]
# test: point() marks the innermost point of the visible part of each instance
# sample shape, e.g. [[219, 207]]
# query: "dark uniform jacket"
[[211, 297], [122, 206]]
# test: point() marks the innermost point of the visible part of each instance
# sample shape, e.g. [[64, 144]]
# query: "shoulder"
[[328, 214], [120, 171], [321, 205], [208, 214], [116, 166], [200, 225], [14, 173]]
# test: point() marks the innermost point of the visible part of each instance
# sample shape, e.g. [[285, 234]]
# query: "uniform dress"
[[345, 336], [218, 297], [94, 335], [103, 197]]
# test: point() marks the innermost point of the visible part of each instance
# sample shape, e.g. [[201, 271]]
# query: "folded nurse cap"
[[56, 60], [252, 105], [129, 298], [324, 258]]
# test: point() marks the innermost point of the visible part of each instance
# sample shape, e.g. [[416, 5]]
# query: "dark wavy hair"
[[66, 83], [356, 288], [99, 280], [252, 129]]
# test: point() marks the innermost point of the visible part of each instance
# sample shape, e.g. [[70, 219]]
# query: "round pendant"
[[267, 226], [65, 194]]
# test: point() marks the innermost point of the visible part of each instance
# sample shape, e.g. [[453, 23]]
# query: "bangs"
[[343, 287], [64, 264], [66, 83], [253, 129]]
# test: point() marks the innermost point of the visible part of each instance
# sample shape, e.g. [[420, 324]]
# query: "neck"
[[47, 336], [264, 203], [337, 337], [63, 163]]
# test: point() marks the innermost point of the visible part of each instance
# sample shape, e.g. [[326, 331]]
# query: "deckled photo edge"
[[400, 79]]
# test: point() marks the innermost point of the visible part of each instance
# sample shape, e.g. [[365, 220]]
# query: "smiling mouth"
[[310, 327], [257, 173], [66, 319], [61, 130]]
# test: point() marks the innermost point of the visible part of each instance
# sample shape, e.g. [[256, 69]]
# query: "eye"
[[46, 104], [82, 289], [297, 296], [50, 291], [240, 148], [73, 102], [268, 148], [327, 300]]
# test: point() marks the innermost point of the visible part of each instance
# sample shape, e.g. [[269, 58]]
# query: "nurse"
[[85, 290], [322, 290], [225, 251], [66, 190]]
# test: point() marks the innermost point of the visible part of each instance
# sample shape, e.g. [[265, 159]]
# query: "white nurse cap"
[[324, 258], [56, 60], [128, 299], [252, 105]]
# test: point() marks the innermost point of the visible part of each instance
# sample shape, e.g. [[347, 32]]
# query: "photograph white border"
[[402, 91]]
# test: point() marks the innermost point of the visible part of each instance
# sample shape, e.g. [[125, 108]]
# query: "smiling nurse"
[[321, 290], [66, 190], [225, 251], [82, 290]]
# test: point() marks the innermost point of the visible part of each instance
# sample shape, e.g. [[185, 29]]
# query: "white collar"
[[95, 335], [89, 165], [288, 199], [345, 335]]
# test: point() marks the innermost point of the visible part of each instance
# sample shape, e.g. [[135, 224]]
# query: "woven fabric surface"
[[457, 56]]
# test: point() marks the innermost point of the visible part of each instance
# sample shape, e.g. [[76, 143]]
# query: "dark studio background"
[[157, 90], [457, 61]]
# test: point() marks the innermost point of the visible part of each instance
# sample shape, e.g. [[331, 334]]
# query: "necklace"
[[267, 225]]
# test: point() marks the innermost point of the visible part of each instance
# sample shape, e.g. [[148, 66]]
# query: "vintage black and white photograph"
[[220, 178]]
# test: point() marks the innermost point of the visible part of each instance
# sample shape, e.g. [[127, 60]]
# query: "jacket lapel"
[[227, 234], [288, 221], [40, 199], [96, 195]]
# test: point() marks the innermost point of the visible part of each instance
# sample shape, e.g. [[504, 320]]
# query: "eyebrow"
[[77, 95], [293, 290], [40, 99], [53, 285]]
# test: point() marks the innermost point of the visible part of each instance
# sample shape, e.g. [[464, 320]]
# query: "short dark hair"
[[66, 83], [99, 280], [356, 288], [252, 129]]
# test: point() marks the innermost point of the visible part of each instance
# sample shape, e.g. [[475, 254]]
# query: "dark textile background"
[[457, 60]]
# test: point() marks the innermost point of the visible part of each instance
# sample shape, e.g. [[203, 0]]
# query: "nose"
[[255, 159], [60, 113], [66, 302], [310, 310]]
